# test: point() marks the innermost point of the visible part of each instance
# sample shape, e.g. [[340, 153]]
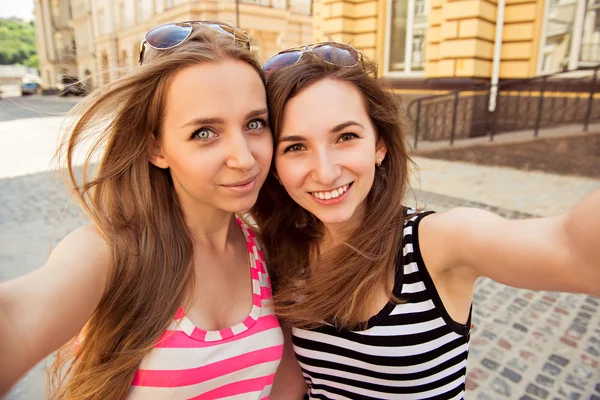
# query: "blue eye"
[[256, 124], [203, 134]]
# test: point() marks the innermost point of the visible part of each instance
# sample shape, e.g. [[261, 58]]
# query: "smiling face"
[[327, 150], [215, 138]]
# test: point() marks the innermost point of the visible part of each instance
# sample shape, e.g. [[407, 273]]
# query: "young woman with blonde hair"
[[166, 294], [378, 294]]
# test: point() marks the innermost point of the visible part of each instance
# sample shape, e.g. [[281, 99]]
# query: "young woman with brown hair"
[[379, 295], [166, 295]]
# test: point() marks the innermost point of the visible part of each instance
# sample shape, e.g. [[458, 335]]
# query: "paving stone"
[[501, 387], [551, 369], [490, 364], [537, 391], [544, 381], [517, 364], [559, 360], [520, 327], [512, 375]]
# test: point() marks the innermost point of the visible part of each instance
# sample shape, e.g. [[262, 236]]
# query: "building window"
[[407, 36], [571, 35], [560, 21], [590, 40]]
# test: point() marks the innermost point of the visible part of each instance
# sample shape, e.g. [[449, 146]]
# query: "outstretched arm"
[[42, 310], [559, 253]]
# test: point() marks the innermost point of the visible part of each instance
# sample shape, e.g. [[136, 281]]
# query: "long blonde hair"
[[134, 207]]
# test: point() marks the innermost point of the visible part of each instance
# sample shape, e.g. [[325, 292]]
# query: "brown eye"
[[294, 148], [347, 136]]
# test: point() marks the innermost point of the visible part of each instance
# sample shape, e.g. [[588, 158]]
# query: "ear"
[[381, 149], [155, 155]]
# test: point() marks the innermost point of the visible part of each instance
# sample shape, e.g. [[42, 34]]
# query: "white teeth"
[[331, 194]]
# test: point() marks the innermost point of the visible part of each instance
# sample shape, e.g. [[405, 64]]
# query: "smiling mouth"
[[331, 194]]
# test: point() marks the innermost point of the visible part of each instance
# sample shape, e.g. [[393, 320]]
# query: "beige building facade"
[[55, 40], [416, 40], [107, 33]]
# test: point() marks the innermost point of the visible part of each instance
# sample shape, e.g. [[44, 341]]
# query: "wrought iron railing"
[[521, 104]]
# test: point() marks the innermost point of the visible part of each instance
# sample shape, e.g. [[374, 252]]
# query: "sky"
[[16, 8]]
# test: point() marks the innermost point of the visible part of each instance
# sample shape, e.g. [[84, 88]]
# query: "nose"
[[240, 155], [326, 169]]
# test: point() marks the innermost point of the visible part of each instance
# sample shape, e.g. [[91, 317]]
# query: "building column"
[[347, 21], [461, 38]]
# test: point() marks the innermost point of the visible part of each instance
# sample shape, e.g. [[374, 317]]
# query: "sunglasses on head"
[[171, 35], [339, 54]]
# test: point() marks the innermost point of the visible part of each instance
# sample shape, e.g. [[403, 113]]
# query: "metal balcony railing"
[[568, 97]]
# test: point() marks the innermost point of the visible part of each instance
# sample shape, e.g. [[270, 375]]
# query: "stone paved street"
[[525, 345]]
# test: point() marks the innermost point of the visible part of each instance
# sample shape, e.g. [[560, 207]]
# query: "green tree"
[[33, 61], [17, 42]]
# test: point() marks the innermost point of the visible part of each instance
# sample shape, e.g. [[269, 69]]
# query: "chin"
[[247, 203], [238, 205], [334, 218]]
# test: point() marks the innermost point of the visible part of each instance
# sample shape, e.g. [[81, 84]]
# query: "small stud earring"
[[378, 162]]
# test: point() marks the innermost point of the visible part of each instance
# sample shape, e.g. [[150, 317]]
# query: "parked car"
[[28, 88], [73, 86]]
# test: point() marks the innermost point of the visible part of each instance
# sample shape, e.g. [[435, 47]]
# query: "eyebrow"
[[335, 129], [344, 125], [208, 121]]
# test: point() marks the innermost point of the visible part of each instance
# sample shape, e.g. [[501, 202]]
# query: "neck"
[[210, 228], [339, 233]]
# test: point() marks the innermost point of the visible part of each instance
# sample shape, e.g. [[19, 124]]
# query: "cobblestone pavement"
[[525, 344]]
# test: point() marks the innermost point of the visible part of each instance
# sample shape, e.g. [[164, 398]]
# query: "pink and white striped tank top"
[[233, 363]]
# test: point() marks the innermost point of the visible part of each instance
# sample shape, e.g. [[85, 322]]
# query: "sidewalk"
[[530, 192]]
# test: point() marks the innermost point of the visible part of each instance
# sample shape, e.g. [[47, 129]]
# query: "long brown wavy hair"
[[134, 206], [341, 290]]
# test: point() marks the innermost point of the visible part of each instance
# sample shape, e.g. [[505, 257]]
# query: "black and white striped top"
[[412, 350]]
